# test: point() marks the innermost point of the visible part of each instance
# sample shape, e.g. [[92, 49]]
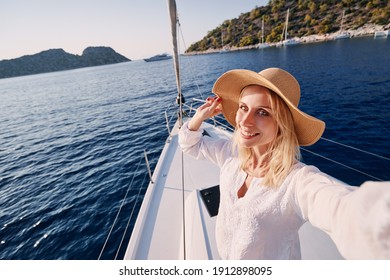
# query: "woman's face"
[[256, 125]]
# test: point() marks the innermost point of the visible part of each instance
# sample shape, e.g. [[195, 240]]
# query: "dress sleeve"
[[203, 147], [356, 218]]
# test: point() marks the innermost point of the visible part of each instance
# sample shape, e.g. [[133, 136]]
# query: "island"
[[58, 60]]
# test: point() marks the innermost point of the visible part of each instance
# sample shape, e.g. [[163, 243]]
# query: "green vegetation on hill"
[[307, 17], [58, 60]]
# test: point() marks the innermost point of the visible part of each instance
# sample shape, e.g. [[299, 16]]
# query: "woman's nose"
[[247, 119]]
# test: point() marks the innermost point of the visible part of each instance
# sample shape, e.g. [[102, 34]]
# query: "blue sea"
[[72, 142]]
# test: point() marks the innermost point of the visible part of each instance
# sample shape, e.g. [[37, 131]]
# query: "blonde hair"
[[283, 152]]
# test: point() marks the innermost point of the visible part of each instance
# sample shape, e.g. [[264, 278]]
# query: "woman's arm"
[[201, 147], [356, 218], [210, 109]]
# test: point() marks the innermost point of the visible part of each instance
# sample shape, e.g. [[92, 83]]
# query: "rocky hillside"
[[58, 60], [307, 17]]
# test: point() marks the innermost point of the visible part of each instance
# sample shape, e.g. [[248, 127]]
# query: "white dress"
[[264, 223]]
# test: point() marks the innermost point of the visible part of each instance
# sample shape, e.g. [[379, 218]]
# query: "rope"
[[130, 217], [190, 62], [346, 166], [175, 42], [357, 149], [119, 210]]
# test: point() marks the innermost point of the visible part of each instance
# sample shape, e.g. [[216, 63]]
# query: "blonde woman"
[[267, 194]]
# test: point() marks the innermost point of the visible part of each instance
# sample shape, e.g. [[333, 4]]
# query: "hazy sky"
[[134, 28]]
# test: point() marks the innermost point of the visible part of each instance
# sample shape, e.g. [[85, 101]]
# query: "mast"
[[285, 34], [222, 38], [174, 22], [342, 22], [262, 31], [180, 100]]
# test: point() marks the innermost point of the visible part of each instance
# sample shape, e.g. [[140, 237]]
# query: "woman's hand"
[[211, 108]]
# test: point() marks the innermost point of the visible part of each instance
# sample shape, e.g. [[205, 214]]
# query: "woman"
[[267, 194]]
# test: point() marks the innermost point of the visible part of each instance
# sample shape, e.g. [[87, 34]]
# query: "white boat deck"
[[158, 232]]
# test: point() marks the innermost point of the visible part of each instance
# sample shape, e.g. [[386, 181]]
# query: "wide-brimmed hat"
[[229, 86]]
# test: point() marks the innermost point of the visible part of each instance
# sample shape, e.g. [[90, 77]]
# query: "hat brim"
[[229, 86]]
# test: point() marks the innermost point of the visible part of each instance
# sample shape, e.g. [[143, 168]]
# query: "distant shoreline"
[[53, 60], [365, 31]]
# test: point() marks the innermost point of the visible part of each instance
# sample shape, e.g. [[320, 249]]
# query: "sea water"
[[72, 142]]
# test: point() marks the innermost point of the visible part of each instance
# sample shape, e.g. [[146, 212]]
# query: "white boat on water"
[[177, 218], [262, 44], [158, 57], [381, 34], [285, 40], [342, 34], [224, 48]]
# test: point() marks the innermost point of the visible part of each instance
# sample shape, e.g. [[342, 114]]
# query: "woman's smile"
[[248, 134]]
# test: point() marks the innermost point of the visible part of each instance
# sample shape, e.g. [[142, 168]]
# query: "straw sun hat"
[[231, 83]]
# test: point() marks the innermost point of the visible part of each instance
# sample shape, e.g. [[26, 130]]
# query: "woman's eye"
[[263, 113], [242, 107]]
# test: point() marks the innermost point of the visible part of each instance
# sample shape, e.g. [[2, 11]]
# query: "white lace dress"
[[264, 223]]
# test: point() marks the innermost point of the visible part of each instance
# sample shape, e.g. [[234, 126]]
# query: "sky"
[[136, 29]]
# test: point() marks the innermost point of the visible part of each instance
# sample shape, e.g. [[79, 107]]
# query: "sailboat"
[[177, 217], [381, 34], [285, 40], [341, 34], [224, 48], [262, 45]]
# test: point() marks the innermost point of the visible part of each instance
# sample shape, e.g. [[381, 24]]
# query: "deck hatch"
[[210, 197]]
